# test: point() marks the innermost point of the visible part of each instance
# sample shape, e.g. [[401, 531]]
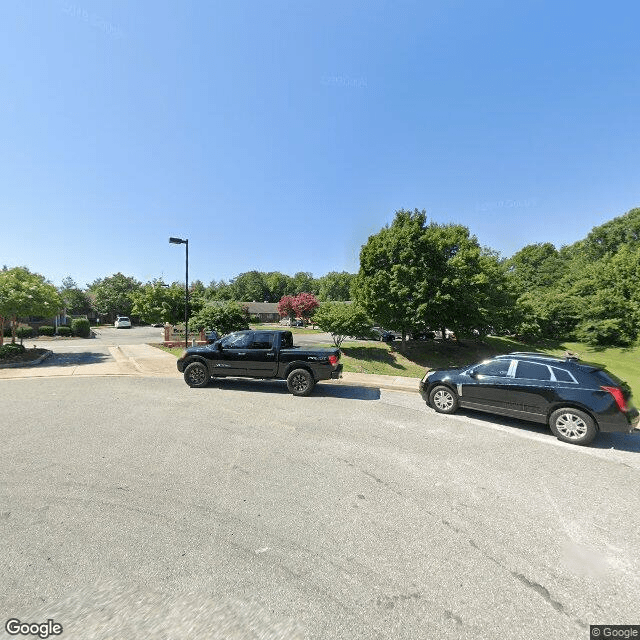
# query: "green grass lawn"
[[386, 359]]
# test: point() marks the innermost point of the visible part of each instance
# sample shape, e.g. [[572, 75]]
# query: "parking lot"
[[353, 513]]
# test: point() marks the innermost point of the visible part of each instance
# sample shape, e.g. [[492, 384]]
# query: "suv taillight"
[[618, 396], [334, 360]]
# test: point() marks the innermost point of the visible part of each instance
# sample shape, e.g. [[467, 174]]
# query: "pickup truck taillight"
[[334, 360], [618, 396]]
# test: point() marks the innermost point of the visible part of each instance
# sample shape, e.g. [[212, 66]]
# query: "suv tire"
[[443, 399], [573, 426]]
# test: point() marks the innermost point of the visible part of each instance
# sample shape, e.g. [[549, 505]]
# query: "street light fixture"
[[186, 288]]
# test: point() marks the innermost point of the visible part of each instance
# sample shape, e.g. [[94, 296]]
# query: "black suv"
[[576, 399]]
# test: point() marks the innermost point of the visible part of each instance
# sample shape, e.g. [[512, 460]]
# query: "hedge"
[[65, 332], [46, 330], [81, 327], [8, 350]]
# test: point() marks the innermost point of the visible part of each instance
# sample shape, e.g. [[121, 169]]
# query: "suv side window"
[[532, 371], [262, 340], [495, 368]]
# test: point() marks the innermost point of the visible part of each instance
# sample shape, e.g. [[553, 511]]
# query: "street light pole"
[[186, 287]]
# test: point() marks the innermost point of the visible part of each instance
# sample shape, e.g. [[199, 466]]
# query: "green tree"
[[304, 282], [24, 294], [75, 300], [114, 295], [342, 320], [335, 286], [220, 290], [429, 275], [279, 285], [250, 286], [222, 317]]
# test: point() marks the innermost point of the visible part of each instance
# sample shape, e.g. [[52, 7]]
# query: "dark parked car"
[[576, 399], [383, 335], [260, 354]]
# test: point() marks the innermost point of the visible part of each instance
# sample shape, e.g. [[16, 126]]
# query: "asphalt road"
[[141, 508]]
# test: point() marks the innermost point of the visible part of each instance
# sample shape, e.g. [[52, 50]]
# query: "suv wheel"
[[300, 382], [573, 426], [443, 399], [197, 375]]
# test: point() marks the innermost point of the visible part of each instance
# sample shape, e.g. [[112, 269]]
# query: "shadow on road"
[[280, 386], [75, 358], [617, 441]]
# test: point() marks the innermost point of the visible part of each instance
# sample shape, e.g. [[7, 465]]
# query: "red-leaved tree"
[[304, 304], [301, 306], [286, 308]]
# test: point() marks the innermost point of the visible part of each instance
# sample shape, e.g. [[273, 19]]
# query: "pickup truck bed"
[[260, 354]]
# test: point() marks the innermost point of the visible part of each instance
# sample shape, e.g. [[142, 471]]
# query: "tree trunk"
[[1, 331], [14, 322], [404, 340]]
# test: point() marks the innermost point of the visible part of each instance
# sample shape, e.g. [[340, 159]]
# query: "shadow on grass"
[[378, 354]]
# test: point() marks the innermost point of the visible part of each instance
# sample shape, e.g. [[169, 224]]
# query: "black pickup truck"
[[260, 354]]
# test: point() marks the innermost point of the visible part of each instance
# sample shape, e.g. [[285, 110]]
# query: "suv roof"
[[532, 355]]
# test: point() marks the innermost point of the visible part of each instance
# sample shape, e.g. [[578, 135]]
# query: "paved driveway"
[[140, 508]]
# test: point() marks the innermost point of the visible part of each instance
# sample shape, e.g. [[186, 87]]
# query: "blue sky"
[[278, 135]]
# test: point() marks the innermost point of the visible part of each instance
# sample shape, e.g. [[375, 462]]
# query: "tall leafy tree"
[[75, 300], [24, 294], [429, 275], [250, 286], [114, 295], [335, 286]]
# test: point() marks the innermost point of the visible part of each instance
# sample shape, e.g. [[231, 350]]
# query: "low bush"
[[81, 327], [46, 330], [8, 350], [25, 332], [65, 332], [7, 332]]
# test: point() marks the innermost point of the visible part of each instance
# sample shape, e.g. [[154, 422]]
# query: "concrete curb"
[[18, 365]]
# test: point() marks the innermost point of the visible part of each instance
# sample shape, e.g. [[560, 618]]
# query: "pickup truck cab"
[[260, 354]]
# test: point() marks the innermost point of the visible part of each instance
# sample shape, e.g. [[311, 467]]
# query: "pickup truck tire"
[[197, 375], [300, 382]]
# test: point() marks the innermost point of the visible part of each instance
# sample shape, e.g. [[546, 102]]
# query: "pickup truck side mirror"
[[218, 346], [472, 373]]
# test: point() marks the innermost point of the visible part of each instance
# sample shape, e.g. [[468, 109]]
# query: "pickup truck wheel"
[[300, 382], [197, 375]]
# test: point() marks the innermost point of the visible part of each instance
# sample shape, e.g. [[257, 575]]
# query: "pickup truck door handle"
[[270, 354], [242, 354]]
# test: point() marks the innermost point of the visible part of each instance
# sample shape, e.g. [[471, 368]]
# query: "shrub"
[[24, 332], [46, 330], [599, 333], [65, 332], [8, 350], [81, 327], [7, 332]]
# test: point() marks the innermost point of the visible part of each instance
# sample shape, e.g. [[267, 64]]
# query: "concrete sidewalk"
[[145, 360]]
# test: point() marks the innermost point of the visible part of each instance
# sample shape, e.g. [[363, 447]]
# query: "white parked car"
[[122, 322]]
